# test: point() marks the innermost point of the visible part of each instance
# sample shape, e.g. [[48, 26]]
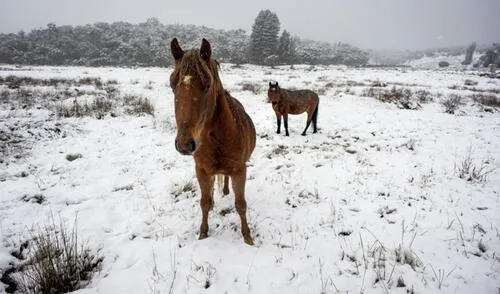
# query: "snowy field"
[[379, 201]]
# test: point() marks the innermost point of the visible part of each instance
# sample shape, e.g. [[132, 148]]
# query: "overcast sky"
[[378, 24]]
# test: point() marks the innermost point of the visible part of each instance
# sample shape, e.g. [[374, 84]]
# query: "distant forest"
[[148, 44]]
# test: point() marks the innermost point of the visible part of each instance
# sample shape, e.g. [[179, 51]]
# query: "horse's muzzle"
[[185, 149]]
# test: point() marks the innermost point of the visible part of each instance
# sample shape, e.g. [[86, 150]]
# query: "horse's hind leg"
[[285, 123], [309, 119], [225, 190], [238, 181], [315, 119], [207, 201]]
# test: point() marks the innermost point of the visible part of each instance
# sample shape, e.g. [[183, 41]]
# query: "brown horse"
[[293, 102], [213, 127]]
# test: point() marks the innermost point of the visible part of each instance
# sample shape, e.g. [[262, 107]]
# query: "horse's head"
[[195, 83], [273, 93]]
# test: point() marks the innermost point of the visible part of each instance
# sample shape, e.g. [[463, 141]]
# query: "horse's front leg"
[[238, 180], [207, 201], [278, 121], [285, 123]]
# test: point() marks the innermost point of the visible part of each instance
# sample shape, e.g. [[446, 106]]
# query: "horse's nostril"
[[192, 145]]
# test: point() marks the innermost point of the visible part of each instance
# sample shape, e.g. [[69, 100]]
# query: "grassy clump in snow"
[[189, 188], [98, 108], [57, 262], [138, 105], [471, 171]]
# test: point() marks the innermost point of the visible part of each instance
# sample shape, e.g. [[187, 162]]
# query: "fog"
[[380, 24]]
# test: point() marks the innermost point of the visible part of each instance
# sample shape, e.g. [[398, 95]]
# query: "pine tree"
[[286, 48], [264, 37]]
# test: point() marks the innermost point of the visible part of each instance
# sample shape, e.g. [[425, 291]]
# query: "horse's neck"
[[222, 111]]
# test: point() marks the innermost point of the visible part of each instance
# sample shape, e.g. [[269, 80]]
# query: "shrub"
[[254, 88], [138, 105], [486, 99], [452, 103]]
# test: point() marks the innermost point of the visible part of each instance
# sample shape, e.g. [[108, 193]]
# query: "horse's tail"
[[219, 179]]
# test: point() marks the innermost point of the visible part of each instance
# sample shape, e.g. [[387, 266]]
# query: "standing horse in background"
[[213, 127], [293, 102]]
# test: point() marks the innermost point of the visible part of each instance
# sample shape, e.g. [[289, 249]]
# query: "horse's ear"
[[205, 50], [270, 84], [276, 84], [176, 49]]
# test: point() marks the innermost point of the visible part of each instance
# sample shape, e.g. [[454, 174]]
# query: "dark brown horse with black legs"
[[293, 102], [213, 127]]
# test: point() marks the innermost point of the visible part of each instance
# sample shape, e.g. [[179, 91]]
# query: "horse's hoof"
[[248, 240], [203, 236], [303, 134], [287, 135]]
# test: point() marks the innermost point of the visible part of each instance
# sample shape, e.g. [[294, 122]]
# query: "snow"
[[327, 211], [432, 62]]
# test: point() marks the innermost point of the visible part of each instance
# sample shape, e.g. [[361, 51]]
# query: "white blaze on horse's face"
[[187, 80]]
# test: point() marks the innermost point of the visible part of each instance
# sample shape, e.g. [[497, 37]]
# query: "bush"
[[486, 99], [254, 88], [402, 97], [452, 103], [138, 105]]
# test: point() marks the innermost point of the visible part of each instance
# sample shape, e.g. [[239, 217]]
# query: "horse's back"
[[299, 101], [304, 94]]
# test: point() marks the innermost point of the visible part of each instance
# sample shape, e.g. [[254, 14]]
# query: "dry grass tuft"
[[57, 262]]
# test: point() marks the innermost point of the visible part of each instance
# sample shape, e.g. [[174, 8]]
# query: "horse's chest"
[[217, 162], [279, 108]]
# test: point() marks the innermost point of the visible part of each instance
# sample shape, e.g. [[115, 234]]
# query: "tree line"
[[148, 44]]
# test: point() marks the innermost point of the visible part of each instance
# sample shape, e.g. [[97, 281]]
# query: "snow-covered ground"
[[432, 62], [373, 198]]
